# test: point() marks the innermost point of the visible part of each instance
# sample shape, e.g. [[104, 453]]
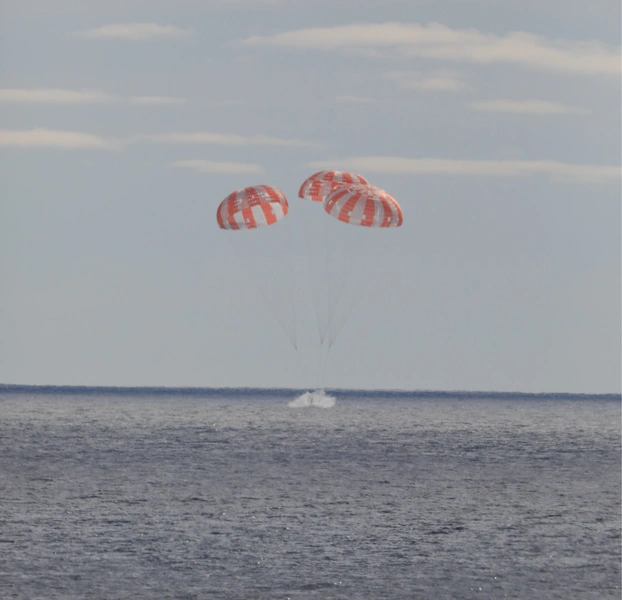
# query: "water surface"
[[265, 495]]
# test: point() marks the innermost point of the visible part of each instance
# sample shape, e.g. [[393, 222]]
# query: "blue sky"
[[495, 125]]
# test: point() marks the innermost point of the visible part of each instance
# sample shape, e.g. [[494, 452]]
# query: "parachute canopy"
[[252, 207], [321, 184], [364, 205]]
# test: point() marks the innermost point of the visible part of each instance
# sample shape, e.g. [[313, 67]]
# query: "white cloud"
[[200, 137], [535, 107], [60, 96], [437, 41], [48, 138], [210, 166], [135, 31], [355, 100], [222, 139], [265, 140], [484, 168], [441, 81]]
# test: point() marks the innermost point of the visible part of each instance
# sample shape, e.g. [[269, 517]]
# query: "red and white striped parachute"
[[321, 184], [364, 205], [252, 207], [348, 197]]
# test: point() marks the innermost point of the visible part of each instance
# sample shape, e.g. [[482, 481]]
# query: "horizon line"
[[249, 390]]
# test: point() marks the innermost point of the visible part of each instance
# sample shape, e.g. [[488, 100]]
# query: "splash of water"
[[316, 398]]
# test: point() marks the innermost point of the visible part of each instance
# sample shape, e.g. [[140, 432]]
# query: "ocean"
[[276, 494]]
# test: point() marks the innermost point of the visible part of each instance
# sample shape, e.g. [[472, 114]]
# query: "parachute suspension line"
[[292, 281], [306, 377], [338, 326], [340, 288], [323, 364], [258, 290], [364, 286], [352, 266], [314, 278], [326, 247], [318, 378], [322, 287], [359, 279]]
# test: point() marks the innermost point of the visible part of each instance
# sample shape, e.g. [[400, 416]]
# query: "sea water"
[[249, 494]]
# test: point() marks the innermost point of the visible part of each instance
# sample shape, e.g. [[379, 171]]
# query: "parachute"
[[321, 184], [367, 206], [338, 258], [252, 207]]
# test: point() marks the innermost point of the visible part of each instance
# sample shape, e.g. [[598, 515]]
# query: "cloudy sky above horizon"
[[496, 125]]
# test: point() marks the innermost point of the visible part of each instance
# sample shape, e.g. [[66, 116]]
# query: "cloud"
[[135, 32], [222, 139], [48, 138], [441, 81], [437, 41], [535, 107], [265, 140], [209, 166], [483, 168], [200, 137], [59, 96], [355, 100]]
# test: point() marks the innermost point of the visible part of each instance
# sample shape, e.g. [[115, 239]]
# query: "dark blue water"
[[256, 495]]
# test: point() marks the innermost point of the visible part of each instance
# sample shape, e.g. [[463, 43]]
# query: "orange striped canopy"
[[321, 184], [364, 205], [252, 207]]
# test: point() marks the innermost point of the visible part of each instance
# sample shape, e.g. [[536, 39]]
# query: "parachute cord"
[[348, 311], [318, 374], [258, 290], [292, 288], [359, 292], [323, 365], [318, 381], [326, 246], [351, 265], [314, 278], [292, 279]]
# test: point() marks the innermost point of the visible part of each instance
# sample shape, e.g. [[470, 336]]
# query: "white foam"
[[317, 398]]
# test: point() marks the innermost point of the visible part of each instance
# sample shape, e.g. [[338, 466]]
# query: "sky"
[[495, 125]]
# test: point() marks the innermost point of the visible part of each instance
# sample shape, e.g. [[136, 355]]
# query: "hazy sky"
[[496, 126]]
